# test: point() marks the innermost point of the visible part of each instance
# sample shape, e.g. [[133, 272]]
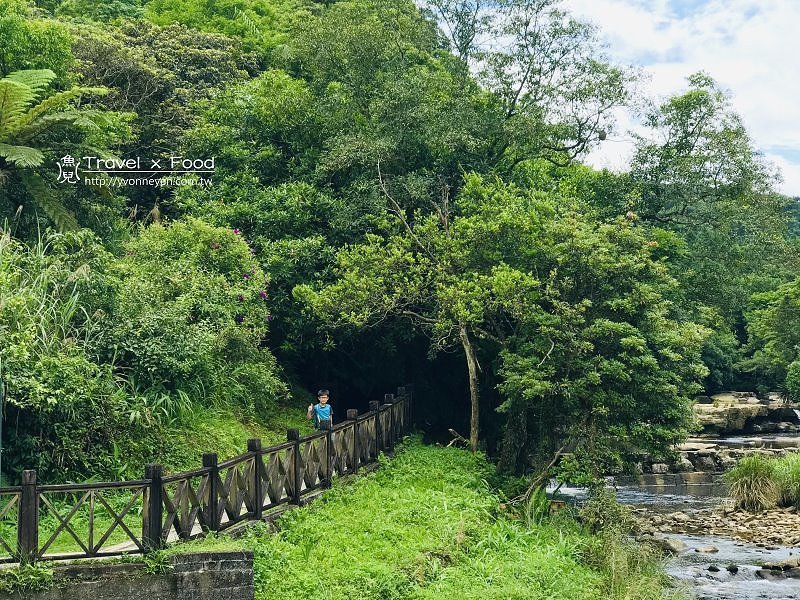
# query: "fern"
[[22, 156], [37, 80], [14, 100], [23, 120], [57, 108], [45, 199]]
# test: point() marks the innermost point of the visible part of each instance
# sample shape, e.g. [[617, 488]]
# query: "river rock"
[[705, 463], [769, 574], [683, 465], [707, 549], [713, 568], [782, 565], [729, 413], [732, 569], [680, 517], [670, 545], [660, 468]]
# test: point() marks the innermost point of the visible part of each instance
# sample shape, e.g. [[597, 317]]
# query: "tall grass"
[[787, 476], [426, 525], [754, 483]]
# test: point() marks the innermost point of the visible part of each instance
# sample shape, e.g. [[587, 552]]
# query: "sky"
[[751, 48]]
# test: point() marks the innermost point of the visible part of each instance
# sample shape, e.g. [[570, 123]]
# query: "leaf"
[[35, 79], [44, 198], [22, 156], [14, 100]]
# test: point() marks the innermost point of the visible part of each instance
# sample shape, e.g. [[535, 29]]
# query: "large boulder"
[[730, 412], [669, 545]]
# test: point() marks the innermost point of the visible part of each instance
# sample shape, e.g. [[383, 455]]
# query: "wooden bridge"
[[69, 521]]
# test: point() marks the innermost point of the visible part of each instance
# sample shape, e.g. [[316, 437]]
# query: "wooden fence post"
[[410, 400], [28, 519], [403, 396], [352, 415], [373, 405], [211, 509], [254, 446], [328, 456], [293, 435], [388, 400], [153, 515]]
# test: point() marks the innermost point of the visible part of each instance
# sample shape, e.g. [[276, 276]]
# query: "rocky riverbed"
[[728, 546], [716, 552], [769, 529], [681, 506]]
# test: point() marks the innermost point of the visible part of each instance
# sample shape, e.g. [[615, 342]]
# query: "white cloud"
[[748, 47]]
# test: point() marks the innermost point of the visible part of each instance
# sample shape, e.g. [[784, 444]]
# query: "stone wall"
[[195, 576]]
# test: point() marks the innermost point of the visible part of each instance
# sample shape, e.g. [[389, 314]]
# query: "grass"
[[787, 475], [226, 433], [426, 525], [758, 483], [208, 431]]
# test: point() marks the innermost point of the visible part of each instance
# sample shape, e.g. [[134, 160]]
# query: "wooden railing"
[[52, 522]]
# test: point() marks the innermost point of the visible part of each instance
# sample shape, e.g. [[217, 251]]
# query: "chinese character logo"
[[68, 170]]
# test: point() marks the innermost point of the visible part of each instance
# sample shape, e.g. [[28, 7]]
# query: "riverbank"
[[768, 529]]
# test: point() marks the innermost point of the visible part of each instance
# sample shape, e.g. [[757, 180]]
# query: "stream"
[[731, 572], [690, 569], [687, 494]]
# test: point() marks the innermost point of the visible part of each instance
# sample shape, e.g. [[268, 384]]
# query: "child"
[[322, 412]]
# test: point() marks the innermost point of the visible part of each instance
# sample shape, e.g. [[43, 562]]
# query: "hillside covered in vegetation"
[[393, 200]]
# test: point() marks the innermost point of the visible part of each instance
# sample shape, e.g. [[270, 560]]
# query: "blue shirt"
[[322, 413]]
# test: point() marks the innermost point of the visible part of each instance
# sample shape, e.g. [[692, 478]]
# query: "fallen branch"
[[457, 437]]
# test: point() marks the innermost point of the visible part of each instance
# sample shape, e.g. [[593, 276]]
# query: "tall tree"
[[575, 311], [554, 86]]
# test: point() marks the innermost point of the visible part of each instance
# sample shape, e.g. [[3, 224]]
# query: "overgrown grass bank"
[[426, 525], [759, 483]]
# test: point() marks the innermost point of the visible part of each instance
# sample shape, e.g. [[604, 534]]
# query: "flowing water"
[[678, 492]]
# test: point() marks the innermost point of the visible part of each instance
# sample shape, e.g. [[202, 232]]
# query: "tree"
[[29, 42], [575, 312], [161, 74], [702, 165], [29, 123], [554, 86], [773, 346], [261, 25]]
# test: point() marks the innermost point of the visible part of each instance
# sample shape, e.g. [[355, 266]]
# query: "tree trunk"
[[472, 366]]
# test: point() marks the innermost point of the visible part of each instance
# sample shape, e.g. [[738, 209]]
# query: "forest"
[[399, 195]]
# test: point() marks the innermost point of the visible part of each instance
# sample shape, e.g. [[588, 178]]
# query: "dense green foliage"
[[395, 198], [145, 340]]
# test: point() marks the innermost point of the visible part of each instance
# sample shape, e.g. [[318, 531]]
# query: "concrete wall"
[[197, 576]]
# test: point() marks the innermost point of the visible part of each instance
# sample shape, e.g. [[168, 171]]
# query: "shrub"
[[191, 316], [602, 512], [787, 477], [753, 483]]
